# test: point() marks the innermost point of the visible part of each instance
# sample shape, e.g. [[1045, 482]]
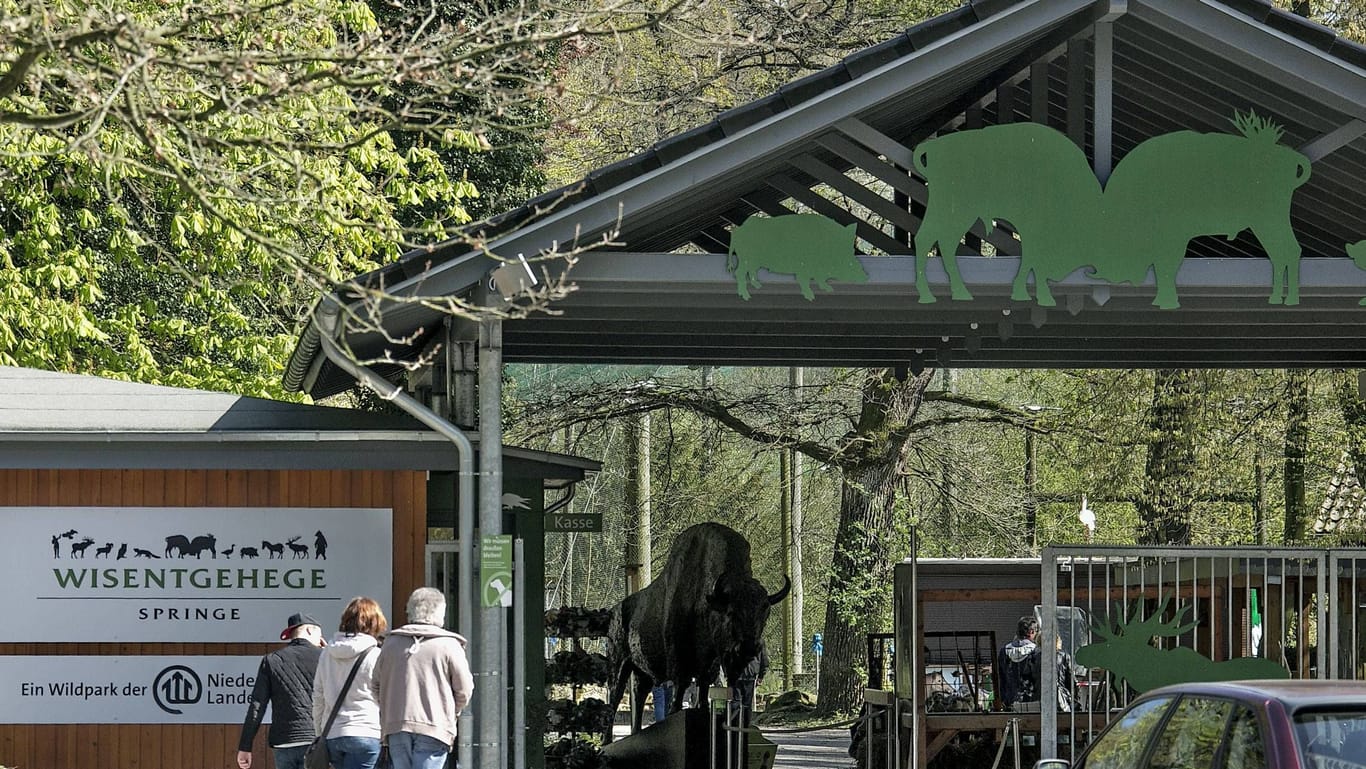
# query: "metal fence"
[[1347, 602], [1155, 615]]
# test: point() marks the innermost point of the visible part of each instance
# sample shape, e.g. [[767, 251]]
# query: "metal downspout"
[[492, 686], [327, 316]]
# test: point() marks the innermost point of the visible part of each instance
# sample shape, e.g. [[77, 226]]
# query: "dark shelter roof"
[[849, 130], [52, 420]]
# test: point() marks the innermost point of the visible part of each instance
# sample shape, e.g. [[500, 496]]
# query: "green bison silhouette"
[[1166, 191], [1183, 185], [1024, 173]]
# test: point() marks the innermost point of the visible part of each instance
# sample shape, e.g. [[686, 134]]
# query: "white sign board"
[[187, 574], [126, 690]]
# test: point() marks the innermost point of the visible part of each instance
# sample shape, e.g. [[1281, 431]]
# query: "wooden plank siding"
[[162, 746]]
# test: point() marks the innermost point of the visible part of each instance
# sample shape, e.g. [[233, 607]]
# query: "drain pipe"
[[328, 316]]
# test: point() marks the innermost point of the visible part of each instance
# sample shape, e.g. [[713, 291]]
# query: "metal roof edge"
[[254, 450], [1261, 21], [221, 436], [301, 369], [1281, 46]]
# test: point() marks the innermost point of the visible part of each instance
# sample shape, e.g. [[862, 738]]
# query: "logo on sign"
[[177, 685]]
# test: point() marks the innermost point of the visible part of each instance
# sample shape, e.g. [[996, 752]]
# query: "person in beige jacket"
[[422, 682]]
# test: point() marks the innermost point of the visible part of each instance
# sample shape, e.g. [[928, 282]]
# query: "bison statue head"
[[739, 612]]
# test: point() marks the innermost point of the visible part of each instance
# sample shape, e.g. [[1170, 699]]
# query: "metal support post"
[[491, 686], [1048, 683], [519, 652], [1015, 730], [1103, 110]]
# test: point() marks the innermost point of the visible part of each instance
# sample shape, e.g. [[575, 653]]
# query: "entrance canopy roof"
[[1107, 74]]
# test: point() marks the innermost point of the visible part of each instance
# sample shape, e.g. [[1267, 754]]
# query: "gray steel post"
[[491, 684], [796, 599], [1324, 610], [1048, 683], [1103, 96], [519, 653]]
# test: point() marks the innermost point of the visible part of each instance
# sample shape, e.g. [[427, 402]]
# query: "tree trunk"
[[1296, 448], [859, 577], [1354, 416], [1164, 507], [862, 563]]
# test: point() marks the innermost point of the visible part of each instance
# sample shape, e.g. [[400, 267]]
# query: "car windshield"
[[1332, 739]]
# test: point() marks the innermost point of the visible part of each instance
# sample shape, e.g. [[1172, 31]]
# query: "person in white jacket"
[[353, 742]]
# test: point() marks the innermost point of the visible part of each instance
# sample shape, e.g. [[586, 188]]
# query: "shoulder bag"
[[316, 757]]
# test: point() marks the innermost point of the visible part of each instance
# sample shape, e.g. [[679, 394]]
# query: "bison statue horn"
[[718, 591], [782, 591]]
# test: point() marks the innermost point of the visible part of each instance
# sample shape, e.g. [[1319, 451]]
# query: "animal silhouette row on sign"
[[181, 546]]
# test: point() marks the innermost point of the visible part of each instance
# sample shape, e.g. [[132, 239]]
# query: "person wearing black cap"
[[285, 683]]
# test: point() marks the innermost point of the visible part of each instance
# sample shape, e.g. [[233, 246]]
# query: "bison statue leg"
[[643, 686], [623, 674]]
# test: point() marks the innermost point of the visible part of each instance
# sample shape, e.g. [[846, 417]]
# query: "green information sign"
[[495, 569], [573, 522]]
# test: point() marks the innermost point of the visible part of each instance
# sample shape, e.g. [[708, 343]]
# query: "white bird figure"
[[1087, 516], [515, 502]]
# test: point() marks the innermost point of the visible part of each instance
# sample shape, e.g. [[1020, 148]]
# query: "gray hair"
[[427, 606]]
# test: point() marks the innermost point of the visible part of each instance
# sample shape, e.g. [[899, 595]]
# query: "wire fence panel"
[[1125, 620]]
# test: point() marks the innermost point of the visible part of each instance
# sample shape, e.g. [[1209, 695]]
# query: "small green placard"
[[495, 569], [567, 522]]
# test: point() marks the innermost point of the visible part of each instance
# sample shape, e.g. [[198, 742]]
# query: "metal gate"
[[443, 573], [1297, 607]]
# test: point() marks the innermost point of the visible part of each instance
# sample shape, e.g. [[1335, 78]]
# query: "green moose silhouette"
[[1125, 651]]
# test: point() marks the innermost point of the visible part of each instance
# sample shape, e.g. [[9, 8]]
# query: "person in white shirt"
[[353, 741]]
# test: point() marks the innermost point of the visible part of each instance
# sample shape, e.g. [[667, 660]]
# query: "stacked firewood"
[[576, 666], [577, 622]]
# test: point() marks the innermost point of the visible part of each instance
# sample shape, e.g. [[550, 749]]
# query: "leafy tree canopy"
[[178, 181], [166, 216]]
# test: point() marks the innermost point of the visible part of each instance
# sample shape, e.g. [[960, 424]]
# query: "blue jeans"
[[353, 752], [662, 694], [418, 751], [290, 758]]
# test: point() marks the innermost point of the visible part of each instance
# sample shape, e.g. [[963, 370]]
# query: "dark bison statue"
[[703, 614]]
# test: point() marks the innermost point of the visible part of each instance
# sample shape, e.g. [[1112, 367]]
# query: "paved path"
[[824, 749]]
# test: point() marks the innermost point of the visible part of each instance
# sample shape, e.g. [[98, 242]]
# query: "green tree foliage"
[[1346, 17], [178, 181], [857, 424], [1169, 475], [680, 74], [166, 221], [506, 168]]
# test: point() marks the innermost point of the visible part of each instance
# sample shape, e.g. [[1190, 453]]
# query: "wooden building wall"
[[165, 746]]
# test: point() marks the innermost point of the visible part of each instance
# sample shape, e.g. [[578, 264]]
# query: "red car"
[[1238, 725]]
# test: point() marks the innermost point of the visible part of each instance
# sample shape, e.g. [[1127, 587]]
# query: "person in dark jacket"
[[285, 683], [1018, 663]]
